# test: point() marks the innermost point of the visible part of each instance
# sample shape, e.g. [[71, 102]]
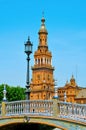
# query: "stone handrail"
[[0, 109], [72, 111], [52, 107], [42, 107]]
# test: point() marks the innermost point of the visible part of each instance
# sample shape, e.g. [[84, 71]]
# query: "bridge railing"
[[72, 111], [0, 109], [38, 107], [52, 107]]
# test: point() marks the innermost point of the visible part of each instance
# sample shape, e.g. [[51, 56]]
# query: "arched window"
[[48, 77], [38, 61], [44, 87], [40, 39], [41, 61], [45, 60], [35, 61]]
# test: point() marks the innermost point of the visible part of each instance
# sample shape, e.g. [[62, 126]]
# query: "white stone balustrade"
[[72, 111], [0, 108], [43, 107]]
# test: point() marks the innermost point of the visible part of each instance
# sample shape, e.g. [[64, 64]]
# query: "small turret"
[[72, 81]]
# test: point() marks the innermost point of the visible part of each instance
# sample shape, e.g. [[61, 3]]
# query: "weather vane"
[[43, 13]]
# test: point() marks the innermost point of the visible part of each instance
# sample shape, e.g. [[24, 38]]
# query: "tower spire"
[[43, 19], [43, 33], [42, 29]]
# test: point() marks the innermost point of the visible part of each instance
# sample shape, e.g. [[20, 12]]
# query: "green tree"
[[1, 92], [13, 93]]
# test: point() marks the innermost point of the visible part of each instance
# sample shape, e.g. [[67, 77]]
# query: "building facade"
[[70, 90], [42, 83], [81, 97]]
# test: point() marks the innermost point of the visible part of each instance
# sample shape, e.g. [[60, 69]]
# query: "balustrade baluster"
[[20, 107], [85, 112], [74, 111], [12, 108]]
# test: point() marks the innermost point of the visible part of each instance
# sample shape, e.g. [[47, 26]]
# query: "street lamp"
[[4, 93], [28, 51]]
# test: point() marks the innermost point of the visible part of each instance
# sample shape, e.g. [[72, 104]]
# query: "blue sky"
[[66, 25]]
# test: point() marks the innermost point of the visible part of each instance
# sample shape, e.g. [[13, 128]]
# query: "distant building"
[[81, 97], [71, 90], [42, 83]]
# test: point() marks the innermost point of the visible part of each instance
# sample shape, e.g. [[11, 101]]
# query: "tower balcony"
[[42, 66], [42, 90]]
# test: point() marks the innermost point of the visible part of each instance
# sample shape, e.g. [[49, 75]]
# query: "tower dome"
[[43, 28]]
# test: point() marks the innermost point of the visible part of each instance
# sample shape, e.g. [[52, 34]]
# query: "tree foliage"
[[13, 93]]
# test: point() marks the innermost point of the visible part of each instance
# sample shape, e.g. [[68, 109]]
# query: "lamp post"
[[55, 90], [4, 93], [28, 51]]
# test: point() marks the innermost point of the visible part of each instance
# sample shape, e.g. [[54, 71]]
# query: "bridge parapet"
[[0, 109], [72, 111], [42, 107], [59, 114], [52, 108]]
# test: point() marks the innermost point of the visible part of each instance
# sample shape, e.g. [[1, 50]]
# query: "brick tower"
[[42, 83]]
